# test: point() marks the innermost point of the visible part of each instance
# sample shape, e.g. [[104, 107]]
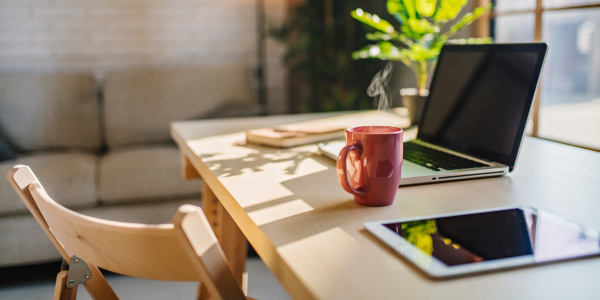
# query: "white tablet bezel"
[[434, 267]]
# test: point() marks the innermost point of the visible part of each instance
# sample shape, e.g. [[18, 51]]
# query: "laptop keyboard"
[[436, 160]]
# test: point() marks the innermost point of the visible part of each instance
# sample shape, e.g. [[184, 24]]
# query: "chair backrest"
[[186, 250]]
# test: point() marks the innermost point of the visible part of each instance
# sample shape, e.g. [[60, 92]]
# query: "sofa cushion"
[[6, 151], [139, 105], [143, 174], [24, 242], [42, 111], [69, 179]]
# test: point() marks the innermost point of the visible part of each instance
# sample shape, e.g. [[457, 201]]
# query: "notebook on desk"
[[475, 116]]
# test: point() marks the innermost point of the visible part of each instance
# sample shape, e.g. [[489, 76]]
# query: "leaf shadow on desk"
[[332, 207], [313, 184], [255, 161]]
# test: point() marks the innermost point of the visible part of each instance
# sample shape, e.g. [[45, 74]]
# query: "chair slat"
[[139, 250], [186, 250], [20, 177]]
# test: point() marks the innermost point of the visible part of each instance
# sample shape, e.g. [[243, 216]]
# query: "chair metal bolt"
[[71, 282], [76, 259], [87, 275]]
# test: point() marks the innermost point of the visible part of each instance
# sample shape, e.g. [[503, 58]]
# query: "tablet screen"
[[496, 235]]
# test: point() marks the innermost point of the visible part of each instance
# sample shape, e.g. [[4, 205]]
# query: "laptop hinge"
[[472, 175]]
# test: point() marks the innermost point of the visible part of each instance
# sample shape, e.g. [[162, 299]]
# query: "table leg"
[[231, 238], [187, 169]]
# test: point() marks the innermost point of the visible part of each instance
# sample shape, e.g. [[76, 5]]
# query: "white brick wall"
[[105, 35]]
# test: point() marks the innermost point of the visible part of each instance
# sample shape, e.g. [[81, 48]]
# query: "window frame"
[[485, 26]]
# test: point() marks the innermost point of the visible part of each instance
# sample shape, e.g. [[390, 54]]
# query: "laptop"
[[475, 115]]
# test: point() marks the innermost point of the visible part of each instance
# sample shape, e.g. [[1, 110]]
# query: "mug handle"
[[341, 168]]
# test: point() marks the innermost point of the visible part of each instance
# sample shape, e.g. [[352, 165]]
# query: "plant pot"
[[414, 103]]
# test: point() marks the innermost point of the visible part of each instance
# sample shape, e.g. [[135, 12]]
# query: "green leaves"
[[448, 10], [420, 26], [380, 36], [409, 5], [372, 20], [411, 9], [471, 41], [422, 53], [426, 8], [470, 18], [396, 8], [383, 50], [417, 28]]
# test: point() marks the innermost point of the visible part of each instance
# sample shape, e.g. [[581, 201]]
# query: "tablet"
[[485, 240]]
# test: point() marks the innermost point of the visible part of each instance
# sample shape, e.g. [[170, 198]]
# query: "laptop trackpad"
[[410, 169]]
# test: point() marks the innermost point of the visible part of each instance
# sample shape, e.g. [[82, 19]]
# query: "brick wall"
[[105, 35]]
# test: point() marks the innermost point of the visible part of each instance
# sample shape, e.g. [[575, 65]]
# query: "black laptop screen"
[[480, 99]]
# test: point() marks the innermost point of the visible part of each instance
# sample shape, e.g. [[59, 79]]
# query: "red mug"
[[370, 164]]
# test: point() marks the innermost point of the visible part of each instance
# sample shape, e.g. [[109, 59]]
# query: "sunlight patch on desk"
[[221, 151], [328, 254], [267, 180], [277, 166], [309, 166], [280, 155], [279, 212]]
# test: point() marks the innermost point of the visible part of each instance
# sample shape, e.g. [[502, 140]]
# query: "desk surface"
[[309, 232]]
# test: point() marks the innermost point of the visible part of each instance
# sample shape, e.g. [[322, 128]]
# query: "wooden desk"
[[308, 231]]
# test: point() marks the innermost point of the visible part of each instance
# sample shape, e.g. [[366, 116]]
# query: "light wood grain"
[[21, 177], [199, 241], [97, 287], [231, 239], [61, 292], [325, 252], [186, 250], [187, 169], [212, 210]]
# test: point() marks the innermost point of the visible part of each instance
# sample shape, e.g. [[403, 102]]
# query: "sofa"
[[102, 147]]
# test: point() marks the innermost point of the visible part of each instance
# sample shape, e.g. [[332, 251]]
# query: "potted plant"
[[419, 39]]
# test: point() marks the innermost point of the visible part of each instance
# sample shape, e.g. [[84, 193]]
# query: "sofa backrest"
[[49, 111], [139, 105]]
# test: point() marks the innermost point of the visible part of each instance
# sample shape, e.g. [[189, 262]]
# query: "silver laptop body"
[[479, 102], [413, 173]]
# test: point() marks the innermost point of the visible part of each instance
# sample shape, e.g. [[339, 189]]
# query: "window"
[[568, 105]]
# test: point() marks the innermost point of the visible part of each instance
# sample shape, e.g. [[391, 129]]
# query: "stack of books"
[[322, 130]]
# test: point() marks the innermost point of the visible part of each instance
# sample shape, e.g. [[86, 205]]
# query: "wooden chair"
[[186, 250]]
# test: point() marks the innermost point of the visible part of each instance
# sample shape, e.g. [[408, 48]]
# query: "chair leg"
[[202, 292], [61, 292], [98, 287]]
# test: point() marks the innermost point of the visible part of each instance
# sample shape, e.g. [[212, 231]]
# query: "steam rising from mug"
[[377, 88]]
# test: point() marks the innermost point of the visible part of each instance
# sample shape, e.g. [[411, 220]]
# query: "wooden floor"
[[261, 285]]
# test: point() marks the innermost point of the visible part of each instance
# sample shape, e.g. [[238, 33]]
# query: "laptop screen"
[[480, 98]]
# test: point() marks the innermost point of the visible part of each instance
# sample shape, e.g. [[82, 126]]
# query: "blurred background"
[[156, 61], [568, 109], [307, 44]]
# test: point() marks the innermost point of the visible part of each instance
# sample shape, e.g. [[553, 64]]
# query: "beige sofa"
[[104, 149]]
